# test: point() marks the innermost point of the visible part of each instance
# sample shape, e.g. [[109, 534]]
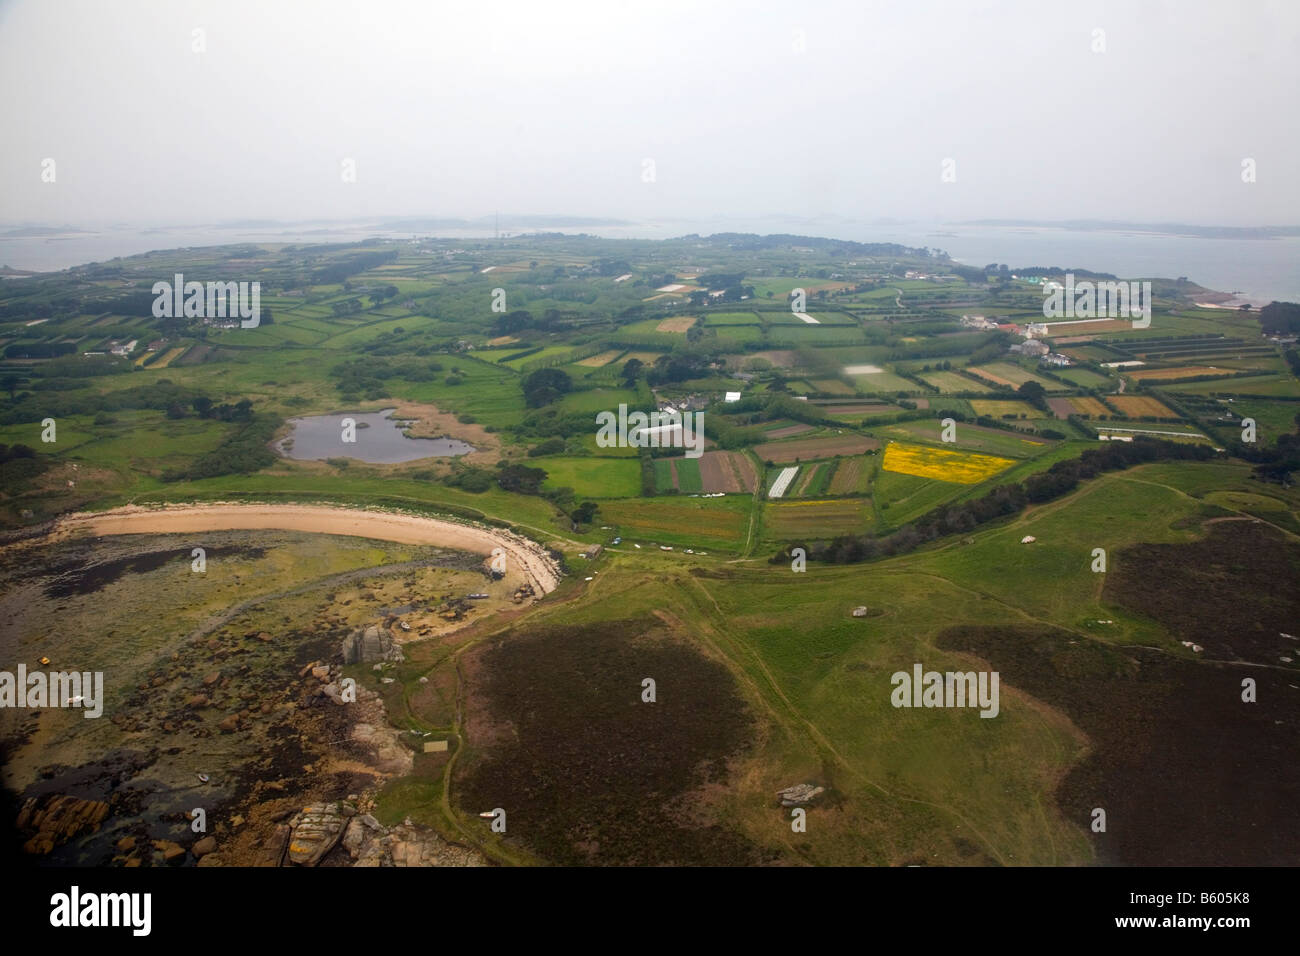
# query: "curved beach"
[[539, 569]]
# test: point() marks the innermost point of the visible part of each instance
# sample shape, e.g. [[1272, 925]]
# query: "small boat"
[[403, 625], [204, 778], [45, 661], [487, 814], [477, 596]]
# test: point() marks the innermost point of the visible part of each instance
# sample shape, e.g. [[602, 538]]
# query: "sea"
[[1255, 270]]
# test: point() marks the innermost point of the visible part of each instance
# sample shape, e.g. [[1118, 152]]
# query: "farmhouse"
[[1055, 358], [1030, 347]]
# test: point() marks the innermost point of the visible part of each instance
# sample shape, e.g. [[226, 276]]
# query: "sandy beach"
[[538, 567]]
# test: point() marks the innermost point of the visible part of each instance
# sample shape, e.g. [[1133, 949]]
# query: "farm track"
[[820, 740]]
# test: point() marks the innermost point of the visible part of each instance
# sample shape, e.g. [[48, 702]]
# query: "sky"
[[1141, 111]]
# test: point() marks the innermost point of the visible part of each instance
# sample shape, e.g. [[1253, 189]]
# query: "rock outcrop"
[[316, 831], [319, 829], [57, 819], [365, 646], [799, 794]]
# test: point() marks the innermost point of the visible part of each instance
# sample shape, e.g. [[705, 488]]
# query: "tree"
[[1034, 394], [585, 512], [545, 386], [10, 384], [521, 479], [631, 369]]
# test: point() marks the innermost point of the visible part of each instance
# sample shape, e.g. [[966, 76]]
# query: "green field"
[[593, 477], [746, 642]]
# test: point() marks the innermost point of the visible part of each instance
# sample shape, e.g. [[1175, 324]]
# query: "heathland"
[[929, 465]]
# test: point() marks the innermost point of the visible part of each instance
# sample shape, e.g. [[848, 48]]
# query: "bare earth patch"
[[678, 323], [429, 422]]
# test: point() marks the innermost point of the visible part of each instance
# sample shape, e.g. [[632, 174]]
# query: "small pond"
[[380, 440]]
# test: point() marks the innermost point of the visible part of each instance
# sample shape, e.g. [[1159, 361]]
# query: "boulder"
[[371, 644], [800, 793], [315, 832], [203, 847]]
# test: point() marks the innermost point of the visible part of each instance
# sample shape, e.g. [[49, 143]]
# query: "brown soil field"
[[1187, 773], [588, 773], [789, 431], [1060, 407], [1137, 406], [727, 471], [677, 323], [848, 476], [809, 448]]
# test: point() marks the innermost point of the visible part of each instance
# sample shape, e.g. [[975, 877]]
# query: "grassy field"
[[688, 522], [952, 382], [970, 437], [593, 477], [765, 676], [995, 408], [811, 519], [1008, 373]]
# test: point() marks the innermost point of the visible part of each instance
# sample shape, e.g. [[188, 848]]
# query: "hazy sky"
[[807, 109]]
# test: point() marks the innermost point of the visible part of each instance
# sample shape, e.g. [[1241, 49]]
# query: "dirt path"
[[538, 567]]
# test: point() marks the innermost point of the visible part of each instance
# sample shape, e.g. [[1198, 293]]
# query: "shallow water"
[[379, 439]]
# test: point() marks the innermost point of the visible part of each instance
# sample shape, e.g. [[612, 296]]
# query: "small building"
[[860, 612], [731, 397], [1031, 347]]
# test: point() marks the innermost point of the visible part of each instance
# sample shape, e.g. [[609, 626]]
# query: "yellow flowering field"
[[944, 464]]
